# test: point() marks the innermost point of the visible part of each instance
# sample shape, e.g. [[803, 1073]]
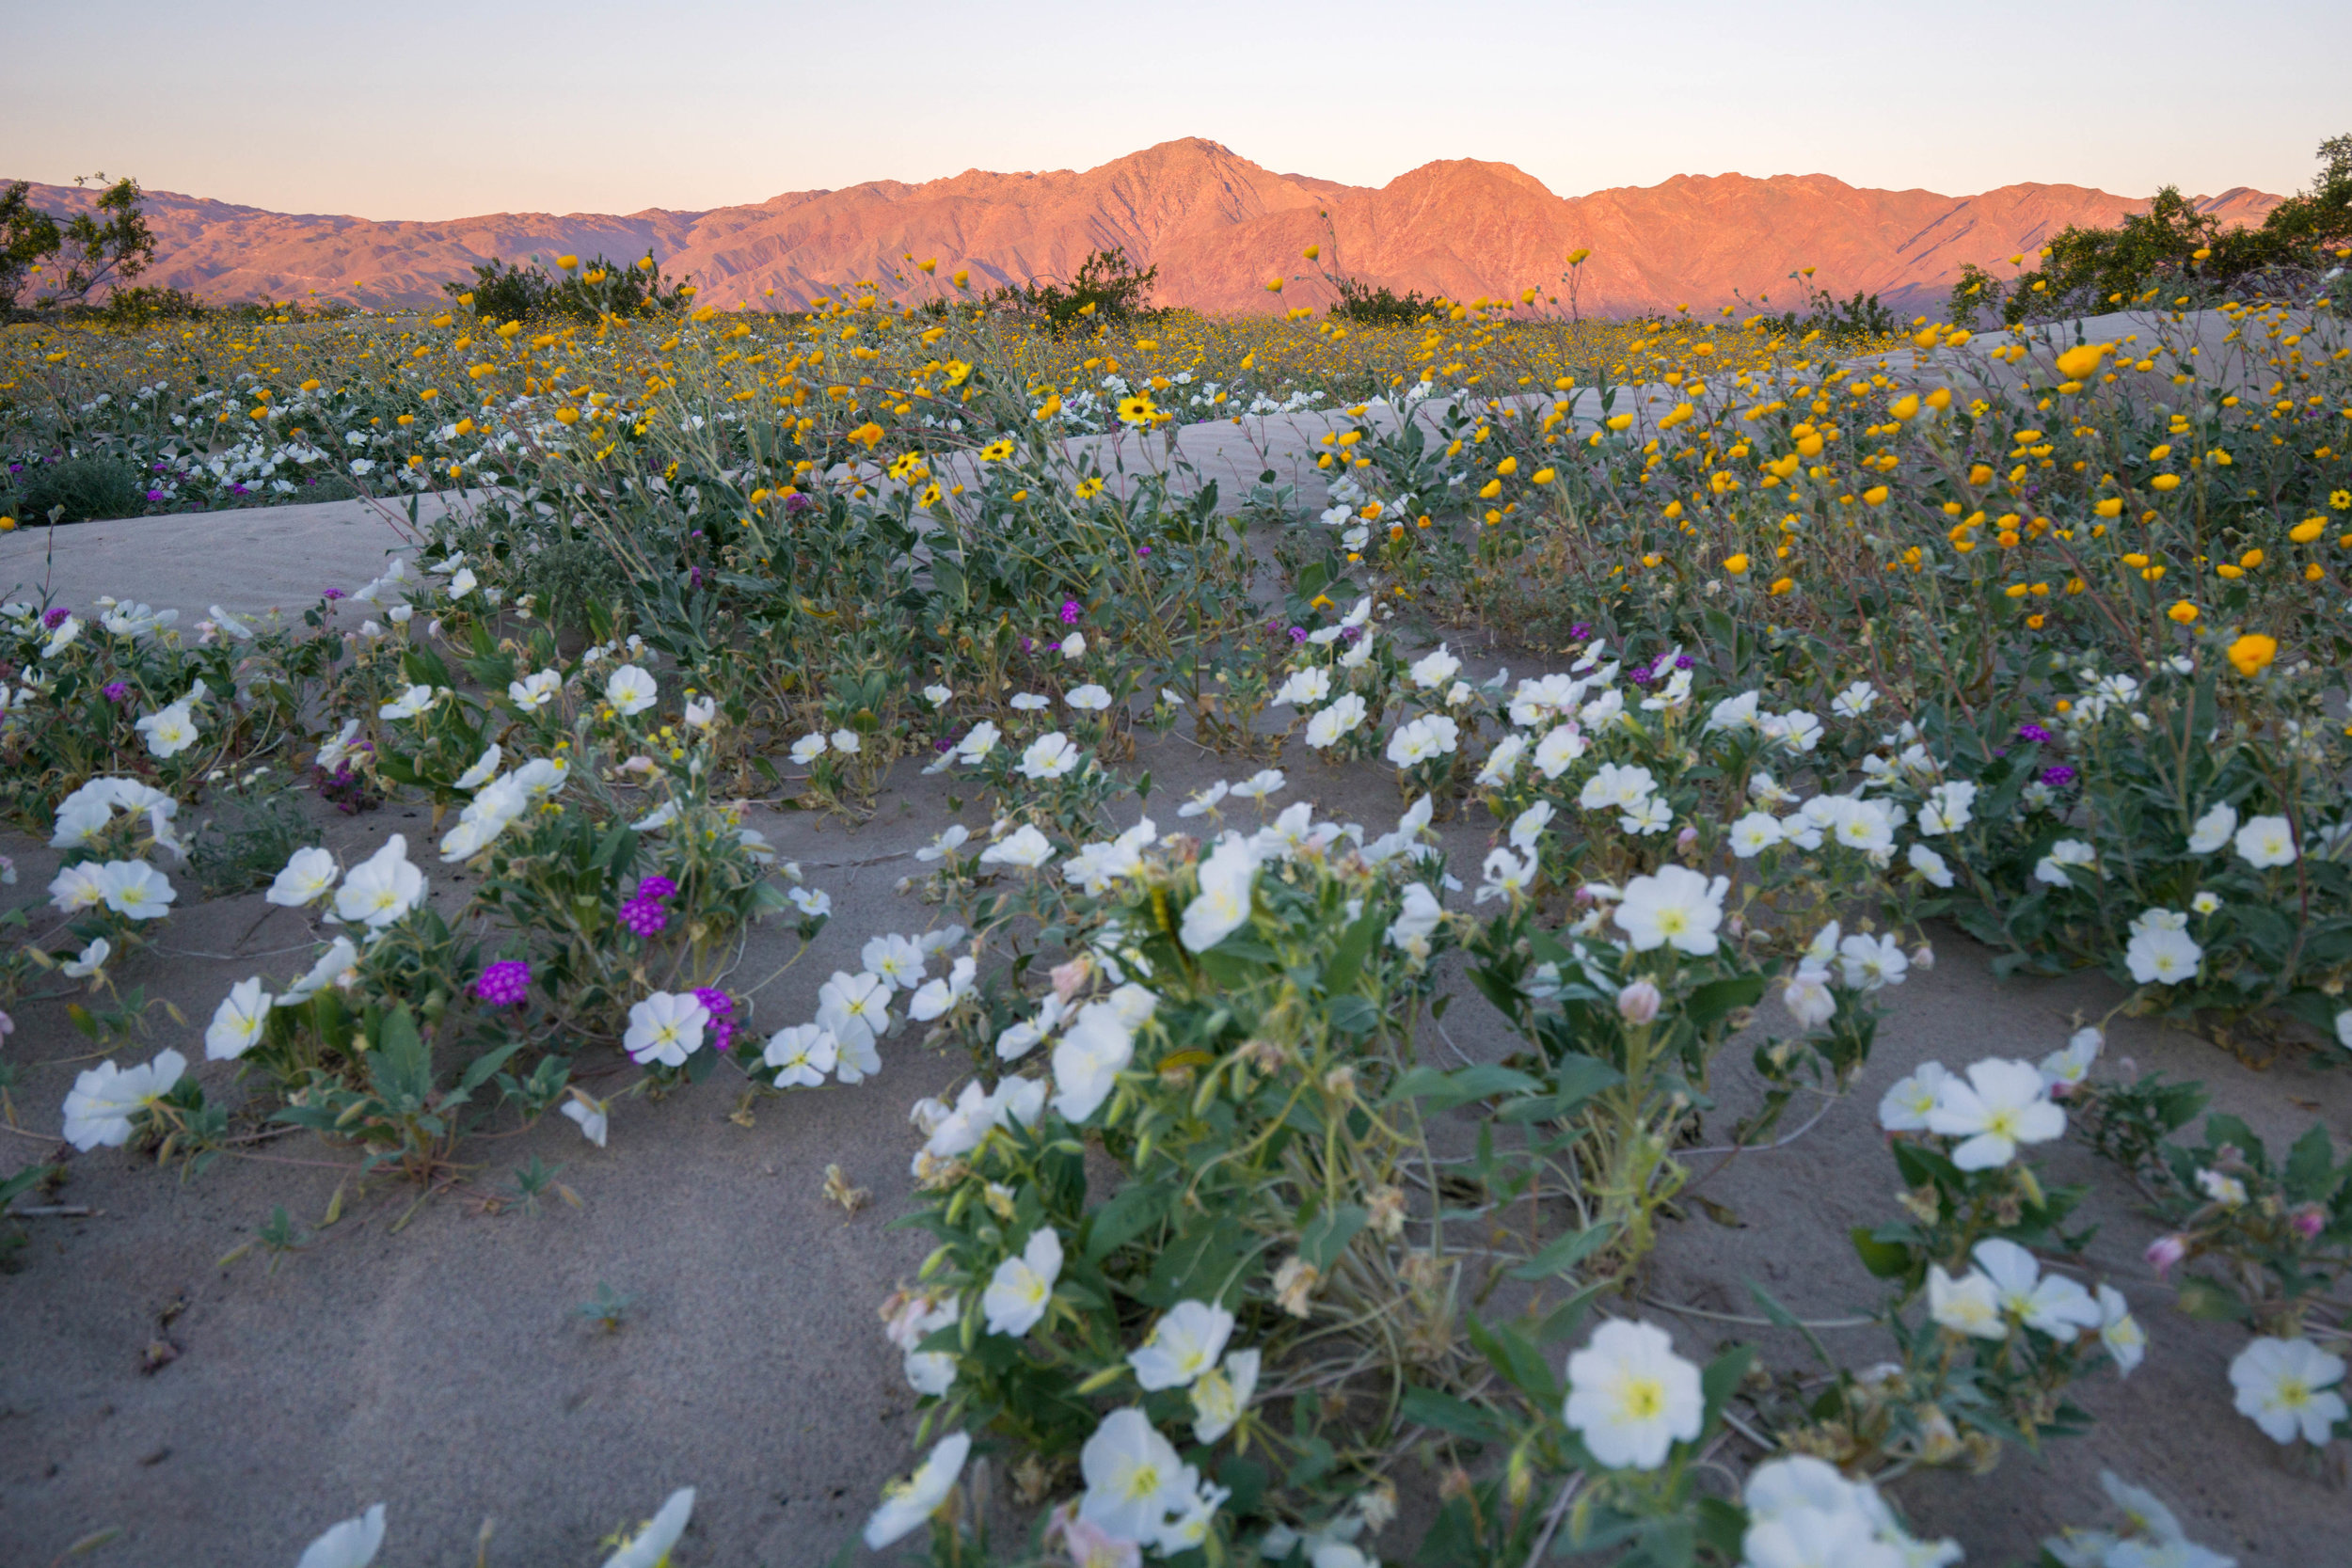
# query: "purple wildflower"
[[2058, 775], [643, 917], [504, 984], [159, 495], [1143, 549], [332, 594], [1682, 661], [117, 692], [56, 617], [797, 504], [657, 888], [722, 1007], [1070, 612], [1580, 630], [2033, 734], [1298, 634]]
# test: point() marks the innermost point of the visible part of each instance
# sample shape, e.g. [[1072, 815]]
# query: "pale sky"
[[447, 108]]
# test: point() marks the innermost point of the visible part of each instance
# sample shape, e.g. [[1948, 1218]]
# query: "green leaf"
[[487, 1063], [400, 1067], [1429, 1408], [1347, 959], [1354, 1015], [1132, 1210], [1565, 1252], [1443, 1091], [2311, 1173], [1327, 1234], [1721, 1378], [2202, 1298], [1886, 1259], [1717, 999]]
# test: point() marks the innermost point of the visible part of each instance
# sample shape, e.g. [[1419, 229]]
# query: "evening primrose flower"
[[1423, 740], [1615, 786], [1329, 724], [170, 732], [937, 998], [2125, 1341], [352, 1544], [856, 1009], [485, 769], [1265, 782], [1630, 1398], [1970, 1304], [1304, 688], [1025, 848], [800, 1055], [1135, 1480], [1808, 998], [1930, 865], [407, 705], [899, 961], [1870, 963], [1223, 904], [2162, 956], [906, 1504], [1088, 1059], [1221, 1394], [2063, 1070], [650, 1548], [332, 965], [2286, 1388], [1905, 1107], [1050, 757], [1948, 809], [237, 1022], [630, 691], [1434, 669], [108, 1099], [1021, 1288], [1202, 802], [2267, 842], [1999, 1105], [1184, 1344], [382, 888], [949, 840], [666, 1027], [1753, 833], [1678, 906], [2048, 1303], [1562, 746], [591, 1116], [2212, 830], [78, 888], [536, 690], [1089, 698]]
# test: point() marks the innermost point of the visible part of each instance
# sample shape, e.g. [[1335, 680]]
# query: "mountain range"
[[1216, 225]]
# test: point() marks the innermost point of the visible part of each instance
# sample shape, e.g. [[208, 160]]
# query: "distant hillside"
[[1216, 225]]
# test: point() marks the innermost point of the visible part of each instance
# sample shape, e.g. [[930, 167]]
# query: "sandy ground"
[[442, 1367]]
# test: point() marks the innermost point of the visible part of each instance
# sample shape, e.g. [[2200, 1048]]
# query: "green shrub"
[[86, 489], [569, 576], [587, 290]]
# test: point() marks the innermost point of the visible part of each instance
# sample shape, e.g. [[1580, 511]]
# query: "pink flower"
[[1638, 1002], [2164, 1252], [2309, 1220]]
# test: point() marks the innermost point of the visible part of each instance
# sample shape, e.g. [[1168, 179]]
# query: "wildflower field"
[[1339, 925]]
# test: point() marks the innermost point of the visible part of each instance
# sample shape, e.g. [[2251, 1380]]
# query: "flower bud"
[[2164, 1252], [1638, 1002], [2309, 1220]]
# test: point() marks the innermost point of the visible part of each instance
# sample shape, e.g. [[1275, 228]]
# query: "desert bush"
[[77, 490]]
